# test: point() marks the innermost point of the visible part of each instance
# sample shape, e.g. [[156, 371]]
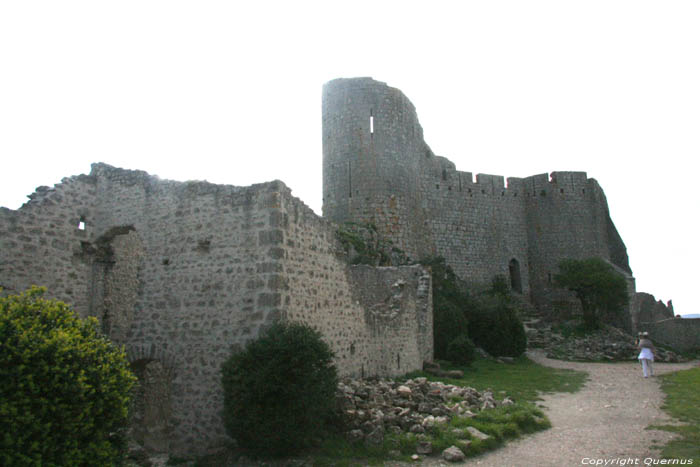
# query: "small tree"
[[601, 290], [64, 387], [279, 393]]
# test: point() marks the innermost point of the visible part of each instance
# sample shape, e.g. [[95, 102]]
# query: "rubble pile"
[[373, 408], [606, 344]]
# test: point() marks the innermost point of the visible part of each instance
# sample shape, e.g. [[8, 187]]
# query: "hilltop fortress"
[[182, 272], [378, 169]]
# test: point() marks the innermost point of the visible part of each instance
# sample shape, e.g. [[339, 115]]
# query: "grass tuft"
[[683, 403]]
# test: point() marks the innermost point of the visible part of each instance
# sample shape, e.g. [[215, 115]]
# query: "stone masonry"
[[182, 273], [378, 169]]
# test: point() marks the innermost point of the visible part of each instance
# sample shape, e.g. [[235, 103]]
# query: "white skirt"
[[646, 353]]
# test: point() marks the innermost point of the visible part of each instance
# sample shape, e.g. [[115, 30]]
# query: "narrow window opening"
[[444, 174], [398, 361], [81, 224], [549, 277], [371, 122], [561, 190]]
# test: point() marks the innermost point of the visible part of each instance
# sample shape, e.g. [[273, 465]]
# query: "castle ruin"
[[181, 273]]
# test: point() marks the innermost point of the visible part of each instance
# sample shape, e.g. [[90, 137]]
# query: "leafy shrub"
[[461, 350], [494, 325], [279, 393], [64, 387], [449, 304]]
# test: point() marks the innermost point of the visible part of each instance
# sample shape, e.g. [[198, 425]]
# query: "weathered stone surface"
[[453, 454], [371, 407], [182, 272], [475, 433]]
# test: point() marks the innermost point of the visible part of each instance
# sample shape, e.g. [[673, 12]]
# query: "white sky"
[[230, 92]]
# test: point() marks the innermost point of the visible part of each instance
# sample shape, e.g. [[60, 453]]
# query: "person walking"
[[646, 354]]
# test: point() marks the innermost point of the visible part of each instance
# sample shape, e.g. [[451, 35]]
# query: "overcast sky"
[[230, 92]]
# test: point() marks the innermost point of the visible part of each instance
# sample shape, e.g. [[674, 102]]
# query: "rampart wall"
[[482, 226], [181, 273]]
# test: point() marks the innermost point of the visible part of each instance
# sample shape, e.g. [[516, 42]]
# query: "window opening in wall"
[[561, 190], [81, 224], [515, 279], [398, 361], [444, 174], [371, 122]]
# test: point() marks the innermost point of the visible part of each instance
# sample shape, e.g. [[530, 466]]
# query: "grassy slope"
[[683, 403]]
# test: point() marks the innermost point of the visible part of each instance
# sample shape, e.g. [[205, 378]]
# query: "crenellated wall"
[[181, 273], [484, 226]]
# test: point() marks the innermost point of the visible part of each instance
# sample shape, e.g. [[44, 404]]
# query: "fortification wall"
[[478, 226], [378, 169], [678, 333], [181, 273], [646, 309], [42, 243], [377, 320]]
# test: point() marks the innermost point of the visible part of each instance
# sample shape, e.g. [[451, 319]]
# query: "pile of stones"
[[606, 344], [373, 408]]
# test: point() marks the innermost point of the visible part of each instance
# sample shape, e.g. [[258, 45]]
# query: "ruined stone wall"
[[567, 217], [42, 243], [678, 333], [368, 315], [646, 309], [182, 273]]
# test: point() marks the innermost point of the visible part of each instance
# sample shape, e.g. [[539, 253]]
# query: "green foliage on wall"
[[450, 303], [279, 393], [64, 387], [489, 319]]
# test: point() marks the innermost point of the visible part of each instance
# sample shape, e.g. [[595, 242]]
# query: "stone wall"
[[678, 333], [646, 309], [182, 273], [378, 169]]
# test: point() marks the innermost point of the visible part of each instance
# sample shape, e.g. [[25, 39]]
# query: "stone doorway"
[[151, 409]]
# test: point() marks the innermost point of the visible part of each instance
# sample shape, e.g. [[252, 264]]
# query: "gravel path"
[[605, 420]]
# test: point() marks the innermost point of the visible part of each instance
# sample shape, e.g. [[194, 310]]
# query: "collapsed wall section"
[[46, 242], [182, 273], [378, 321]]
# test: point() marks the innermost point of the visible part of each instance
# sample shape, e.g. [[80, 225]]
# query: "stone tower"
[[372, 145]]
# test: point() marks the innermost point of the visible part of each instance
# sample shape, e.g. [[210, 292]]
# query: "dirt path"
[[605, 420]]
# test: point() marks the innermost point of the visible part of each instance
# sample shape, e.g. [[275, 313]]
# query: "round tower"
[[372, 145]]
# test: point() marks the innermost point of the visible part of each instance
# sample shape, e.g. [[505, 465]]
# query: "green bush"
[[64, 387], [494, 325], [461, 350], [279, 393], [449, 304]]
